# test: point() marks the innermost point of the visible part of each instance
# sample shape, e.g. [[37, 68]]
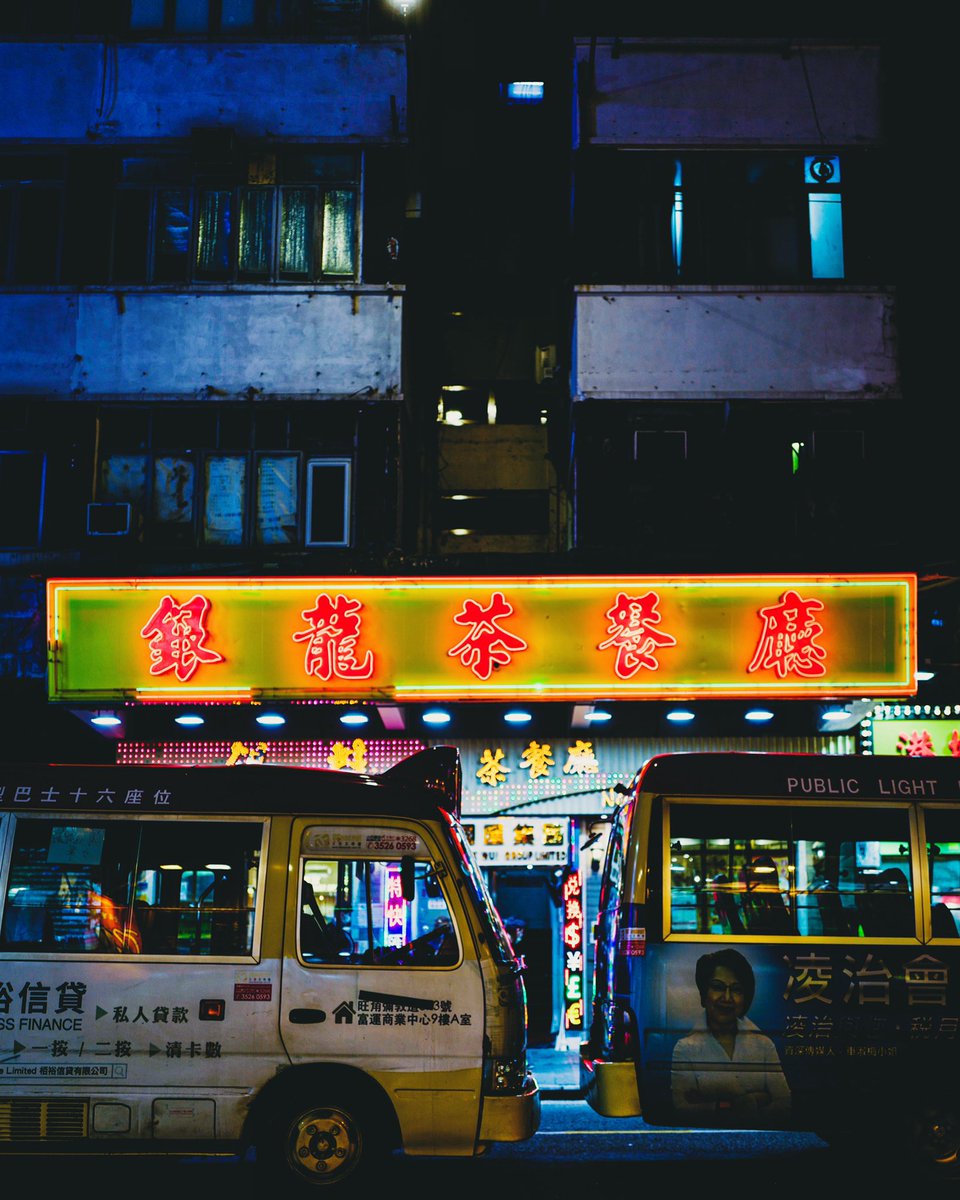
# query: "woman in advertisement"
[[725, 1071]]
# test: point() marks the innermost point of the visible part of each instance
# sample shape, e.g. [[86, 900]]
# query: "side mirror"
[[408, 888]]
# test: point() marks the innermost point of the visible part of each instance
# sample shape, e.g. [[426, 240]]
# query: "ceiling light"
[[836, 714], [598, 714], [188, 719], [105, 720], [924, 676], [271, 719], [758, 714], [516, 716], [680, 715], [354, 718], [436, 716]]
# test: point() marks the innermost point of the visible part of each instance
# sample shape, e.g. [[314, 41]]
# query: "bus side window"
[[353, 911], [808, 871], [943, 864], [84, 886]]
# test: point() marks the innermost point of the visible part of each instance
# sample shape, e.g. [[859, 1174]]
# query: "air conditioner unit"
[[109, 519]]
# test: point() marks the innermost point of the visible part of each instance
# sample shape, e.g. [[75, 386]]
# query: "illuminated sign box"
[[560, 637]]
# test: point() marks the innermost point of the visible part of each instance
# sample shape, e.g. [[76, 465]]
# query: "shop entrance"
[[528, 900]]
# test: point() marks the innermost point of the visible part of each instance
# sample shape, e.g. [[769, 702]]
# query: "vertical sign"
[[394, 910], [573, 950]]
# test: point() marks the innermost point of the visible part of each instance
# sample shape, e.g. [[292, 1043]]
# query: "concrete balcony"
[[688, 343], [78, 91], [317, 342]]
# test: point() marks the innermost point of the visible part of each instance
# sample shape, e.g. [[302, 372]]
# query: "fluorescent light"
[[598, 715], [517, 716], [528, 90], [354, 718], [680, 715], [758, 714], [271, 719], [923, 676], [836, 714], [189, 719], [436, 716], [170, 867], [217, 867], [105, 720]]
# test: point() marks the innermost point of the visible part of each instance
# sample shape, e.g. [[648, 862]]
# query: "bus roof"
[[416, 787], [802, 776]]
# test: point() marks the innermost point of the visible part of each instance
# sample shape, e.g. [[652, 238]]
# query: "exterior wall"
[[685, 343], [75, 91], [639, 93], [312, 342]]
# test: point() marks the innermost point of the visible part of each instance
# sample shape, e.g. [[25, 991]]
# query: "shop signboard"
[[469, 638]]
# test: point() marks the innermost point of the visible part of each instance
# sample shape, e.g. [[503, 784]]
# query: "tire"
[[320, 1137]]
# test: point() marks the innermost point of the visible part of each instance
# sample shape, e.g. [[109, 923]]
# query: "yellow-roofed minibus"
[[202, 959]]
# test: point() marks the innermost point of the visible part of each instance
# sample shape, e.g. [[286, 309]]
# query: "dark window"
[[22, 479]]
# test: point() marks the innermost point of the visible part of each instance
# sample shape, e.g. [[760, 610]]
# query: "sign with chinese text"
[[920, 736], [559, 637], [572, 950], [512, 841]]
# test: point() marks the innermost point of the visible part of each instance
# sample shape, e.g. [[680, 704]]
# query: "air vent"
[[42, 1120], [108, 520]]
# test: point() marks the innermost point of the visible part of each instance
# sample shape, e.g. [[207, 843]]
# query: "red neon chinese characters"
[[486, 645], [631, 620], [332, 640], [177, 634], [788, 639]]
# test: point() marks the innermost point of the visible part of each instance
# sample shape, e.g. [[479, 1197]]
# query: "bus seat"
[[725, 905], [886, 910], [833, 916], [944, 924], [763, 905]]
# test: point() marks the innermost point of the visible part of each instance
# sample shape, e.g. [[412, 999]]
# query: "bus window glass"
[[354, 911], [943, 858], [132, 887], [807, 871]]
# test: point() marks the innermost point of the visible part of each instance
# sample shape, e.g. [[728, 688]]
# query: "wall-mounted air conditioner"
[[109, 519]]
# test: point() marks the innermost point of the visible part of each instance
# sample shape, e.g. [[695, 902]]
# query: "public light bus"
[[203, 958], [778, 946]]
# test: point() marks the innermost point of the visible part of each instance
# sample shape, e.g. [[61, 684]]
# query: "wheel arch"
[[329, 1079]]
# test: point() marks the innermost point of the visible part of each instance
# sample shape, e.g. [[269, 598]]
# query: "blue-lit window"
[[822, 176], [524, 91]]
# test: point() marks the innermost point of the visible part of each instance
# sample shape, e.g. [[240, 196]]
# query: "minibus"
[[206, 959], [778, 947]]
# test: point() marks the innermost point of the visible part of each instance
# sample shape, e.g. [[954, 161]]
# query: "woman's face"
[[725, 1000]]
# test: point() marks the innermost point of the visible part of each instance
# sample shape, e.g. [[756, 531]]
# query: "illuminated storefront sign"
[[913, 731], [573, 951], [566, 637], [519, 841]]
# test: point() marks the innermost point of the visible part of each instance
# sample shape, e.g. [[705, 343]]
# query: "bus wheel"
[[935, 1137], [318, 1142]]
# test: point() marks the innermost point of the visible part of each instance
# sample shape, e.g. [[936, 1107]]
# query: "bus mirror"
[[408, 887]]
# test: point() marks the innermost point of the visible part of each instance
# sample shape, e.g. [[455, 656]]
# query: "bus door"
[[380, 975]]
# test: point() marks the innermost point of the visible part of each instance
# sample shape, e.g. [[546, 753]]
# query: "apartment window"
[[31, 219], [196, 17], [22, 484], [293, 219], [724, 216], [241, 484]]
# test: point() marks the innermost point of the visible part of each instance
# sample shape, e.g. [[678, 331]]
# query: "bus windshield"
[[498, 937]]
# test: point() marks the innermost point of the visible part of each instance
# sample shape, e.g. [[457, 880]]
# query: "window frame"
[[8, 827], [919, 882]]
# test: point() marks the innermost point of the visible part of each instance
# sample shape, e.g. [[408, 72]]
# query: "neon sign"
[[573, 950], [394, 909], [545, 638]]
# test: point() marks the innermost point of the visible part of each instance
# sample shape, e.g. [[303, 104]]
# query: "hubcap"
[[324, 1145]]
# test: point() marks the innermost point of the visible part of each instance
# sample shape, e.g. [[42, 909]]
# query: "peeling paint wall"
[[651, 343], [77, 91], [324, 342]]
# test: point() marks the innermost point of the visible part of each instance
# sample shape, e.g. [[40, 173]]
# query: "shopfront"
[[296, 654]]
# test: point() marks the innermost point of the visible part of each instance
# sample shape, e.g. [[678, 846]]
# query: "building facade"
[[338, 289]]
